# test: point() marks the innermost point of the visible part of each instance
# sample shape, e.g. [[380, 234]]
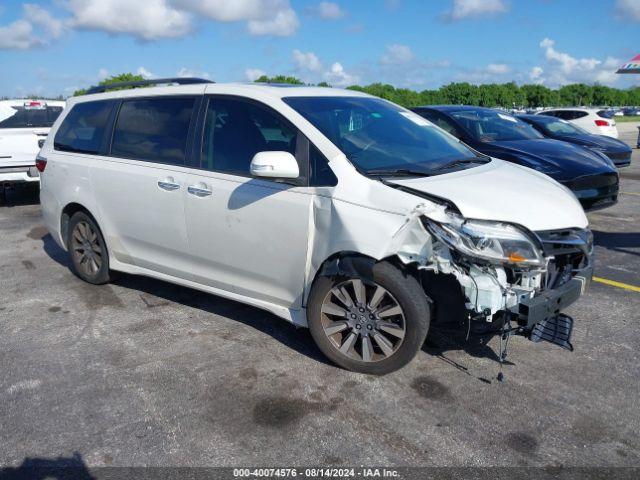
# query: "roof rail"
[[144, 83]]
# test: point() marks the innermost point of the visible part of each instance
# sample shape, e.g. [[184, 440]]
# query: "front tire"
[[88, 250], [369, 325]]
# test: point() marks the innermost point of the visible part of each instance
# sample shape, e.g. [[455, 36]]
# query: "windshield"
[[492, 126], [377, 135], [561, 128]]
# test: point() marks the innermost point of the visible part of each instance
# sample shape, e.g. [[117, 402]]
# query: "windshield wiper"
[[462, 161], [396, 172]]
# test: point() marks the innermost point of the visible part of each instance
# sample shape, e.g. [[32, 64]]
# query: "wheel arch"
[[67, 212], [353, 263]]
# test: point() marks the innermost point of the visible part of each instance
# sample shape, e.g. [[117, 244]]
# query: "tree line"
[[507, 95]]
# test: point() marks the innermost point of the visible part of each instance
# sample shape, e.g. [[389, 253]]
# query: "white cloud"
[[491, 73], [628, 10], [103, 73], [562, 68], [462, 9], [263, 17], [396, 54], [306, 61], [283, 24], [338, 77], [312, 70], [252, 74], [20, 35], [497, 69], [144, 73], [53, 27], [189, 72], [536, 75], [148, 20], [328, 11]]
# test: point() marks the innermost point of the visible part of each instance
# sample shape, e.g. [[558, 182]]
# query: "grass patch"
[[635, 118]]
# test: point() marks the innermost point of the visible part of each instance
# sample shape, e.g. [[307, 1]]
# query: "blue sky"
[[52, 47]]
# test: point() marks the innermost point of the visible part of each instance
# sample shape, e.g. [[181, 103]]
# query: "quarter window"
[[83, 129], [153, 129], [321, 174], [235, 130]]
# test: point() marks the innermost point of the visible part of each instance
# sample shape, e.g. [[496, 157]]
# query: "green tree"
[[279, 79], [123, 77]]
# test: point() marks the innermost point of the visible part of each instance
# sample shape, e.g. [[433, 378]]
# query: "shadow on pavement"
[[618, 241], [20, 195], [298, 339], [61, 468]]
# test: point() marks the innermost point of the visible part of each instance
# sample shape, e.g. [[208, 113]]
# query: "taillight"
[[41, 163], [602, 123]]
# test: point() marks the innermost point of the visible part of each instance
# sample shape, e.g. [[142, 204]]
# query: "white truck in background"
[[24, 125]]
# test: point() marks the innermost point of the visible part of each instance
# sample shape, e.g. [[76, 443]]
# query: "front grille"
[[571, 250], [593, 181], [619, 155]]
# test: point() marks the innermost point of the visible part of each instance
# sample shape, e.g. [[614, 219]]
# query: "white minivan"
[[330, 208], [24, 124]]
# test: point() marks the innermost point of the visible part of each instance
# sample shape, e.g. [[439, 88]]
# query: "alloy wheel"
[[86, 249], [363, 320]]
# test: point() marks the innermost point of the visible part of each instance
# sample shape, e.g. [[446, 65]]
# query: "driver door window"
[[235, 130]]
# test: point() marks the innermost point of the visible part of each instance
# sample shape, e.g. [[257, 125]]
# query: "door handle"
[[167, 185], [199, 191]]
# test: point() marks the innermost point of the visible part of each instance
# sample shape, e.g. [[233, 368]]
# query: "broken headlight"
[[494, 242]]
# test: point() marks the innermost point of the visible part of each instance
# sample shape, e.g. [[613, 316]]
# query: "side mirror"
[[274, 165]]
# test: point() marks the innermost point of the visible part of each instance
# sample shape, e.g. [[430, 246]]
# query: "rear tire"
[[88, 250], [369, 325]]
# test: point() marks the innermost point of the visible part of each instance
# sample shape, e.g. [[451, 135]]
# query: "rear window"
[[153, 129], [83, 129], [22, 117]]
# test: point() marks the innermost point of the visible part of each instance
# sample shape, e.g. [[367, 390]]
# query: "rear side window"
[[575, 114], [23, 117], [153, 129], [440, 121], [83, 129], [235, 130], [608, 114]]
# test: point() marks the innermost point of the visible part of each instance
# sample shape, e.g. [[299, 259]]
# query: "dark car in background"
[[551, 127], [591, 176]]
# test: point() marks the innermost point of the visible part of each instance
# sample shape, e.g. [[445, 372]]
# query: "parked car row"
[[589, 174], [330, 208]]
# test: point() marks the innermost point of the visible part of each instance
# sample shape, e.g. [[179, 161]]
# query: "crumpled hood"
[[567, 160], [505, 192]]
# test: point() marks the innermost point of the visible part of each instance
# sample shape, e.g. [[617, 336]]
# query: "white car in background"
[[597, 122], [24, 125]]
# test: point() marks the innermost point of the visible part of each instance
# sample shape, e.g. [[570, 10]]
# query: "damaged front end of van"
[[511, 281]]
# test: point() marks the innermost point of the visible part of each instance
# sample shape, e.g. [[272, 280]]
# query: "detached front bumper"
[[550, 303], [540, 318]]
